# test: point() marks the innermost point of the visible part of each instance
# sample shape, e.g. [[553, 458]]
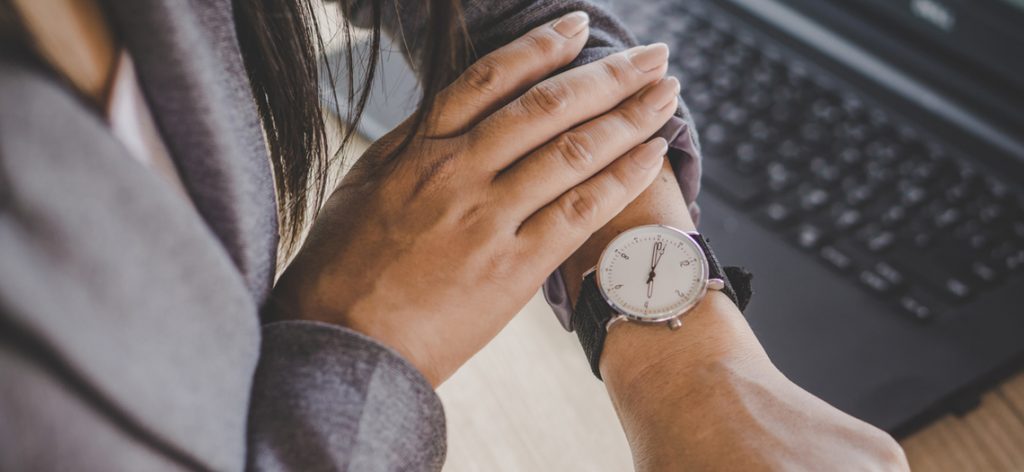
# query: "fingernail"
[[572, 24], [661, 93], [652, 153], [648, 58]]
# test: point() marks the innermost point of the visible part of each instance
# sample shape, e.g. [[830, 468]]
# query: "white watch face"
[[652, 273]]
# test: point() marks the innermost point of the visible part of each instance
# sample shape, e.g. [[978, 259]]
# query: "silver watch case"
[[675, 320]]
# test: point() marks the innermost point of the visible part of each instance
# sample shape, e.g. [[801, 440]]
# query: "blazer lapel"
[[191, 69]]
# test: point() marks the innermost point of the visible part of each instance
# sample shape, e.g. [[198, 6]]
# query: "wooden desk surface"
[[527, 402]]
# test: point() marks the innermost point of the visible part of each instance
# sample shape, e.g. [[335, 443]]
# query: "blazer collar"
[[191, 69]]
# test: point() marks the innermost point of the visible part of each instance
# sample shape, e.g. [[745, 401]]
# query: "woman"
[[139, 236]]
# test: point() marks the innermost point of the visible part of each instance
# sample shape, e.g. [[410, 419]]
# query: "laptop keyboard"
[[848, 183]]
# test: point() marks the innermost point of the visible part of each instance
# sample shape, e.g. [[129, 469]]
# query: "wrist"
[[713, 340]]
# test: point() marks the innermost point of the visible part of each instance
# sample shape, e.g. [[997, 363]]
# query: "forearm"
[[676, 391]]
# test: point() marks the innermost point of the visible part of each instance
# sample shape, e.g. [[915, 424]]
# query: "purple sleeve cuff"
[[684, 155]]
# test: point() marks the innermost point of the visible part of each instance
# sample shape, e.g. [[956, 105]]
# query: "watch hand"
[[654, 256], [659, 248], [650, 287]]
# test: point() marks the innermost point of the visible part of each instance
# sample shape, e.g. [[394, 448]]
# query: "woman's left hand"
[[433, 250]]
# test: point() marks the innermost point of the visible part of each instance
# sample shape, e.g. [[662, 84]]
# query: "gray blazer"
[[129, 334]]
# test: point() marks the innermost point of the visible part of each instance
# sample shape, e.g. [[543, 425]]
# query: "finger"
[[506, 72], [566, 100], [563, 226], [579, 153]]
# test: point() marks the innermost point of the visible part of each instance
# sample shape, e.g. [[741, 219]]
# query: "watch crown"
[[675, 323], [716, 284]]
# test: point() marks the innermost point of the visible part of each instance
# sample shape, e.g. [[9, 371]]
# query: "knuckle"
[[621, 180], [616, 70], [471, 215], [581, 206], [573, 148], [546, 98], [434, 174], [483, 76], [633, 119], [501, 265], [539, 42]]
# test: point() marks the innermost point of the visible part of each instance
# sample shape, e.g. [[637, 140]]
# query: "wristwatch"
[[650, 274]]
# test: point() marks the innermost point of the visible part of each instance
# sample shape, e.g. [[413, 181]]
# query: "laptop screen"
[[986, 33], [972, 50]]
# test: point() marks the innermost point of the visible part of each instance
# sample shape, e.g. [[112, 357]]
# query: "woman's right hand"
[[432, 251]]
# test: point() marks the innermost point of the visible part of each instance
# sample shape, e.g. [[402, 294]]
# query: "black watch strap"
[[589, 319], [592, 313]]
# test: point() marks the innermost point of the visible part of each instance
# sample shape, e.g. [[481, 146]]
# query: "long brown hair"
[[284, 53]]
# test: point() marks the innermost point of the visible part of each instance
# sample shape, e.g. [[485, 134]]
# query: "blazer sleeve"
[[328, 398]]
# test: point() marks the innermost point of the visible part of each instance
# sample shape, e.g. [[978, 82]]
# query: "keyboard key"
[[748, 159], [762, 131], [875, 282], [813, 198], [990, 213], [890, 273], [777, 213], [825, 110], [824, 170], [844, 217], [957, 193], [876, 238], [882, 150], [912, 194], [756, 100], [860, 194], [918, 307], [715, 134], [791, 151], [733, 114], [946, 218], [958, 288], [779, 177], [1010, 258], [809, 236], [894, 215], [881, 241], [836, 258], [850, 156], [813, 133], [985, 271]]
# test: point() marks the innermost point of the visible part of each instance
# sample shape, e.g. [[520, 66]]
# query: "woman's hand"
[[434, 250]]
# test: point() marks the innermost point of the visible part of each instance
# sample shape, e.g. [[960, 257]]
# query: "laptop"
[[865, 159]]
